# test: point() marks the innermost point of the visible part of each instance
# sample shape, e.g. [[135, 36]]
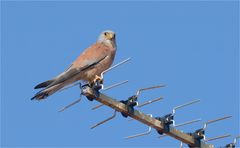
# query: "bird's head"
[[108, 37]]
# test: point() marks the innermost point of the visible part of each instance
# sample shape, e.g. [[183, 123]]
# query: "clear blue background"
[[192, 47]]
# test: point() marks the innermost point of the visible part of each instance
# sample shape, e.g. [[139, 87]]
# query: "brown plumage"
[[87, 67]]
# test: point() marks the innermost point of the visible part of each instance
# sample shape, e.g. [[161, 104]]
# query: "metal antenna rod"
[[71, 104], [75, 102], [148, 88], [183, 105], [212, 121], [149, 102], [181, 144], [106, 120], [218, 137], [102, 74], [115, 85], [124, 61], [97, 106], [215, 120], [141, 134], [188, 122]]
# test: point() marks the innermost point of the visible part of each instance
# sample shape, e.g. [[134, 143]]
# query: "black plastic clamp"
[[130, 103], [230, 145], [95, 88], [166, 121], [198, 135]]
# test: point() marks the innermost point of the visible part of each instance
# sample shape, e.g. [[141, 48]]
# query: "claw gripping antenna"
[[98, 85]]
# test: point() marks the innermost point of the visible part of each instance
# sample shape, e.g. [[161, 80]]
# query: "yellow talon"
[[99, 79]]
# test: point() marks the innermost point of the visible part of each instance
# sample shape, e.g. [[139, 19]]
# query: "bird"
[[87, 67]]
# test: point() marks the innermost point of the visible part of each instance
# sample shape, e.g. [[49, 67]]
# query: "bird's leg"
[[98, 79], [97, 82]]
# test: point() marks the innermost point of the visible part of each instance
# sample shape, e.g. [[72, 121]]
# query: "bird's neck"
[[109, 43]]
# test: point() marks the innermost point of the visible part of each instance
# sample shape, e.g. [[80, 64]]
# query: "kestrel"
[[87, 67]]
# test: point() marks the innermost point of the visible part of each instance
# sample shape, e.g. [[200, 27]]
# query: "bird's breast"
[[100, 67]]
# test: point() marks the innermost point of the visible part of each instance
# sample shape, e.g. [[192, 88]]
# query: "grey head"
[[108, 38]]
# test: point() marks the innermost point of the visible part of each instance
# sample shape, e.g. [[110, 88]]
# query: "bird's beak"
[[111, 36]]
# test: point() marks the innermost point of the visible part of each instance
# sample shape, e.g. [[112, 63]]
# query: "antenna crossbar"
[[141, 117]]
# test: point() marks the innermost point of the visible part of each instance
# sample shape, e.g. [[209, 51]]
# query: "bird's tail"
[[44, 84], [47, 92]]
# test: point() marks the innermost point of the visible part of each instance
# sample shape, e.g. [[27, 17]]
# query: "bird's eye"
[[105, 33]]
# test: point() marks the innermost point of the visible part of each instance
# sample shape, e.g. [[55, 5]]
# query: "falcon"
[[87, 67]]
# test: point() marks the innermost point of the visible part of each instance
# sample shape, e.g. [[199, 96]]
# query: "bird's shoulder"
[[92, 53], [97, 47]]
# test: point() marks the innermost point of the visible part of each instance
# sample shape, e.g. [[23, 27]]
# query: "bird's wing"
[[73, 72], [88, 59]]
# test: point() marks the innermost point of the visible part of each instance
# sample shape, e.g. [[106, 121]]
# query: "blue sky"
[[192, 47]]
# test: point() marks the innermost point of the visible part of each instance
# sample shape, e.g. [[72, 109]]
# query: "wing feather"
[[73, 72]]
